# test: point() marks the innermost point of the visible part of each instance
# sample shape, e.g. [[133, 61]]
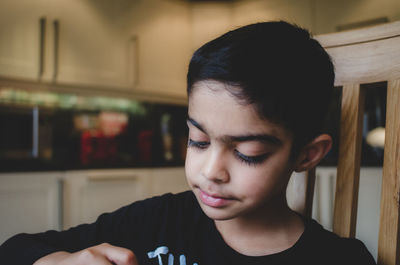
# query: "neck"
[[265, 231]]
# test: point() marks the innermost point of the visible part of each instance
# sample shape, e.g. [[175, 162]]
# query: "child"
[[257, 100]]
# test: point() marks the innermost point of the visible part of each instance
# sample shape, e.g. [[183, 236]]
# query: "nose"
[[215, 168]]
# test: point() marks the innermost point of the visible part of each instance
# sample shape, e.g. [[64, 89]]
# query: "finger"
[[90, 256], [100, 260], [117, 255]]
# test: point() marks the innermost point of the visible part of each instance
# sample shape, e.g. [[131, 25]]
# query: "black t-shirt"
[[172, 229]]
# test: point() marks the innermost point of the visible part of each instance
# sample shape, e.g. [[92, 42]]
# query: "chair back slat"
[[368, 59], [380, 32], [388, 246], [309, 194], [348, 173]]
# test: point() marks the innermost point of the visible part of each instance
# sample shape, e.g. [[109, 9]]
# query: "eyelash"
[[251, 160], [248, 160], [199, 145]]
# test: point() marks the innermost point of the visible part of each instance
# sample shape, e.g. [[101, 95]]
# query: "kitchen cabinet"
[[20, 37], [36, 202], [90, 44], [166, 180], [29, 202], [164, 45], [121, 45], [89, 193], [67, 42]]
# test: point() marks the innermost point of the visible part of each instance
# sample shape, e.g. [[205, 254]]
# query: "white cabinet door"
[[164, 39], [167, 180], [29, 202], [20, 37], [89, 193], [80, 42], [93, 47]]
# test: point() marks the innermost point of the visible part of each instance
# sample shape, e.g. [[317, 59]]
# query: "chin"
[[217, 214]]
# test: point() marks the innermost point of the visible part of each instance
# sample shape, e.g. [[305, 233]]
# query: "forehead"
[[220, 113]]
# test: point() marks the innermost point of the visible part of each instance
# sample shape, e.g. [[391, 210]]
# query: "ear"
[[313, 152]]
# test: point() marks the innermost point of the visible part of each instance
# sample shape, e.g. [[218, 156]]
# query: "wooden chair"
[[364, 56]]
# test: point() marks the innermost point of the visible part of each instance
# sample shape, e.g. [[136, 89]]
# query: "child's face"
[[237, 164]]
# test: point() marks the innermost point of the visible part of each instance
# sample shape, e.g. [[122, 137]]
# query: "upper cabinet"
[[68, 42], [128, 46], [163, 31], [87, 45], [22, 38]]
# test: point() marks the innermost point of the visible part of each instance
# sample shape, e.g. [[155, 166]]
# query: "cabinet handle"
[[110, 178], [35, 132], [42, 39], [56, 26], [133, 74], [60, 188]]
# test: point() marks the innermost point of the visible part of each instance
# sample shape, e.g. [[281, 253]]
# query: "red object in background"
[[98, 139], [145, 145], [86, 147], [112, 123], [97, 147]]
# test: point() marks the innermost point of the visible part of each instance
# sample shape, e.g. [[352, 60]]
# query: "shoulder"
[[333, 249], [145, 219], [156, 205], [145, 213], [169, 201], [161, 208]]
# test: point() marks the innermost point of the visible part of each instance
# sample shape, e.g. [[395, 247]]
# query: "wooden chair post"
[[309, 196], [348, 174], [388, 248]]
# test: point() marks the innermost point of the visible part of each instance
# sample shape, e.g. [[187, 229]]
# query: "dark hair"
[[275, 66]]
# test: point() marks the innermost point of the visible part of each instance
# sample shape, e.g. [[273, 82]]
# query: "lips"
[[213, 200]]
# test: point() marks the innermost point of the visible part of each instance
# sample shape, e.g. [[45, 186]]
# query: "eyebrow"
[[196, 124], [265, 138]]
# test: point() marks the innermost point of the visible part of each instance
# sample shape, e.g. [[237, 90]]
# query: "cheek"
[[259, 181], [248, 179], [192, 164]]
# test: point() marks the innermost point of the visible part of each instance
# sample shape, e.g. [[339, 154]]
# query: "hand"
[[103, 254]]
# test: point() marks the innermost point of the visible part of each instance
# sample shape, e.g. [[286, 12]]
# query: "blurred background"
[[93, 102]]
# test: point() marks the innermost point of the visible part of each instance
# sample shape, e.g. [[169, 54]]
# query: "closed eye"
[[198, 144], [251, 160]]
